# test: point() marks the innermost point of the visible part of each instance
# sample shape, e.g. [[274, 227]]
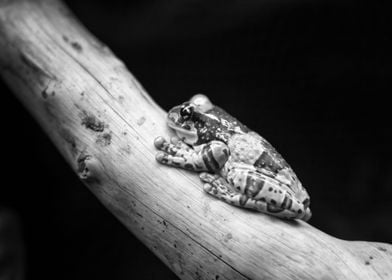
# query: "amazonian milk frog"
[[236, 164]]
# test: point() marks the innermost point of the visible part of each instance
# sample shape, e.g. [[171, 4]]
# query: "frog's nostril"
[[306, 203]]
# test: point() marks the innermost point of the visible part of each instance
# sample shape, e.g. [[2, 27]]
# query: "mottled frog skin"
[[236, 164]]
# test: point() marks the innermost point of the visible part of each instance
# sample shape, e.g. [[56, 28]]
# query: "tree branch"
[[104, 124]]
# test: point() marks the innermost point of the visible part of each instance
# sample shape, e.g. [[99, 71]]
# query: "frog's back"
[[252, 149]]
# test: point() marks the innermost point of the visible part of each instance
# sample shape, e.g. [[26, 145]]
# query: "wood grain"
[[104, 124]]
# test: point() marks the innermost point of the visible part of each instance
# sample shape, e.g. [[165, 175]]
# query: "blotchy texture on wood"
[[104, 124]]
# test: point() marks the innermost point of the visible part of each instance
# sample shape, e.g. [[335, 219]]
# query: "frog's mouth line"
[[173, 123], [191, 132]]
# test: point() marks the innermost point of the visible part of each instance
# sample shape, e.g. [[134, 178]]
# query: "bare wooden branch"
[[104, 124]]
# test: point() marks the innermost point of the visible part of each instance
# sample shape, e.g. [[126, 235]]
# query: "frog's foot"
[[177, 154], [210, 178], [217, 186], [176, 147]]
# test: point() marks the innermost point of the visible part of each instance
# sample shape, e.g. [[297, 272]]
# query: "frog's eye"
[[186, 112]]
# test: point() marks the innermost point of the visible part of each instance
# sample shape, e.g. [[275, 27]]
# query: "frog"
[[235, 164]]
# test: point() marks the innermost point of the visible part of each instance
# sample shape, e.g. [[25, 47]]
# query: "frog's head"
[[195, 121]]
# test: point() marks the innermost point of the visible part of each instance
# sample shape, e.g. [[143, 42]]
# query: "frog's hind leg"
[[217, 186], [249, 197]]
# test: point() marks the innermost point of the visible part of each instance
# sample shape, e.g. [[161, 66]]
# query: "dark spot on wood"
[[77, 46], [142, 228], [270, 189], [83, 171], [31, 64], [40, 74], [164, 222], [104, 139], [216, 277], [46, 92], [175, 245], [228, 237], [82, 166], [69, 139], [140, 215], [382, 249], [141, 121], [91, 122], [371, 257], [367, 263], [127, 149], [74, 45], [82, 93]]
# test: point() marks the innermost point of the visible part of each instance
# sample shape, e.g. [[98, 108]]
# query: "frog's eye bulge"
[[202, 102]]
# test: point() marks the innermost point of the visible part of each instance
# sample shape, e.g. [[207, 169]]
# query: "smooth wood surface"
[[104, 124]]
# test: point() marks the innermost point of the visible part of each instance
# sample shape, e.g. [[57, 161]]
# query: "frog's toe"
[[160, 142], [161, 157], [208, 188], [208, 178], [174, 140], [167, 159]]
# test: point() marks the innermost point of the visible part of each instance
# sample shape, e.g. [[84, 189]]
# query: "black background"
[[312, 77]]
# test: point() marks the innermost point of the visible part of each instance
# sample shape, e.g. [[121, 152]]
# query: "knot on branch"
[[86, 166]]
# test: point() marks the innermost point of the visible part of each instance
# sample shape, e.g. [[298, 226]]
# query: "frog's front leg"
[[206, 157]]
